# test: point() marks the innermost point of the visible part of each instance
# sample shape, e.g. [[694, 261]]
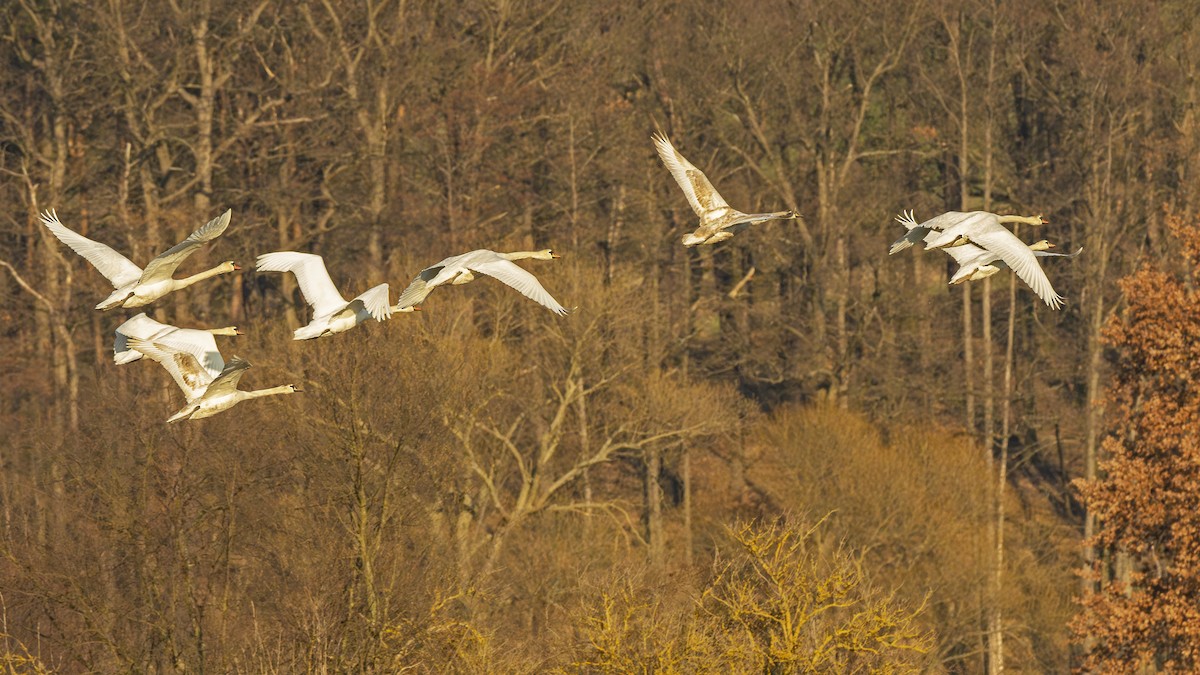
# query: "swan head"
[[413, 308], [230, 266], [545, 254], [293, 389], [1041, 245]]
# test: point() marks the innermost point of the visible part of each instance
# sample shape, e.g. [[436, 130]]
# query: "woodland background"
[[682, 473]]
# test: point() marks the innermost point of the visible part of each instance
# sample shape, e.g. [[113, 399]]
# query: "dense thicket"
[[467, 489], [1149, 495]]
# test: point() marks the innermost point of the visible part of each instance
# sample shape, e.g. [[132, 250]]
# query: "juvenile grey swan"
[[199, 343], [718, 221], [137, 287], [206, 395]]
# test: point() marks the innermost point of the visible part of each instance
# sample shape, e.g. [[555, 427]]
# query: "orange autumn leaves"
[[1146, 608]]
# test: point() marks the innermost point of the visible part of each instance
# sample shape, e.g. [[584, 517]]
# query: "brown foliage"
[[1148, 500]]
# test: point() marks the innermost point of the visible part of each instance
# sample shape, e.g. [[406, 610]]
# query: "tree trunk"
[[654, 525]]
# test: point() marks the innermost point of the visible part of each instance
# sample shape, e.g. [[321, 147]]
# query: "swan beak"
[[236, 267], [238, 331], [1044, 221], [555, 256], [1049, 245], [296, 388], [416, 308]]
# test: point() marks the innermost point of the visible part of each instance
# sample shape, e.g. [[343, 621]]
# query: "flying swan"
[[718, 221], [460, 269], [206, 395], [975, 263], [985, 231], [136, 287], [198, 343], [331, 313]]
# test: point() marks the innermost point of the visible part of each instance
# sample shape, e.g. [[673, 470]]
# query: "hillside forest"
[[786, 452]]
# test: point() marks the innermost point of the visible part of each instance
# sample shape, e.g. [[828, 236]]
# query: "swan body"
[[718, 221], [206, 395], [331, 312], [137, 287], [461, 269], [975, 263], [199, 343], [986, 232]]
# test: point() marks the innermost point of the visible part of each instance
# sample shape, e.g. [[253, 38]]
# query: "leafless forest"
[[789, 452]]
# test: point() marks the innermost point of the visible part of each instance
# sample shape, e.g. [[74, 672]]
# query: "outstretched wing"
[[115, 267], [198, 343], [969, 254], [140, 326], [227, 381], [311, 275], [1016, 254], [513, 275], [424, 283], [375, 301], [1049, 254], [187, 372], [164, 264], [696, 187]]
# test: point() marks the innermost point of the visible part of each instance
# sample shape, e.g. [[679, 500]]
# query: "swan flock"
[[978, 241]]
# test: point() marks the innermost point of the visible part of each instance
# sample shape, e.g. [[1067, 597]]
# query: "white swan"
[[331, 312], [199, 343], [718, 221], [984, 230], [206, 395], [459, 270], [975, 263], [136, 287]]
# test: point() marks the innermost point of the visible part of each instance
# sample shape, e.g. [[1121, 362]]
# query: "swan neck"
[[259, 393], [188, 281], [1027, 220], [520, 255]]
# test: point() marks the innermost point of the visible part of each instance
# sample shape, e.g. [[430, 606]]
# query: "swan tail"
[[117, 299], [129, 356], [308, 332], [183, 414]]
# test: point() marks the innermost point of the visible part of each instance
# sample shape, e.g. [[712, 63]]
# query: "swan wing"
[[115, 267], [311, 275], [515, 276], [140, 326], [375, 301], [947, 220], [1016, 254], [199, 343], [696, 187], [163, 265], [183, 366], [969, 254], [1051, 254], [227, 381], [430, 278]]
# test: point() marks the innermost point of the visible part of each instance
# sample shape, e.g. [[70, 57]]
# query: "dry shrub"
[[783, 601]]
